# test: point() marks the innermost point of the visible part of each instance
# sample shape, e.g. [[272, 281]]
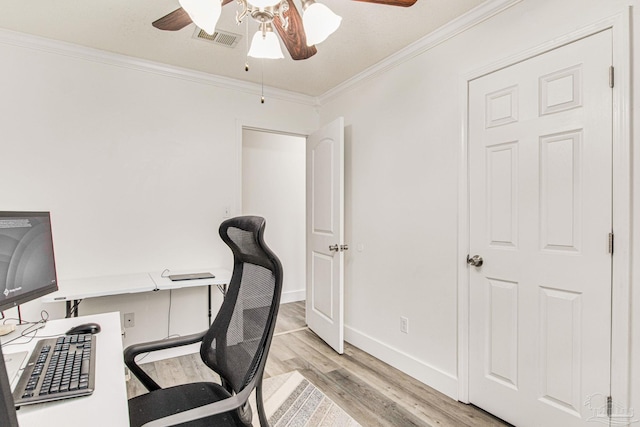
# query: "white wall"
[[403, 142], [273, 186], [98, 144], [635, 236], [136, 164]]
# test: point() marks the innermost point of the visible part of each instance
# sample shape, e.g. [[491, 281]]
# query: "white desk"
[[75, 290], [107, 406]]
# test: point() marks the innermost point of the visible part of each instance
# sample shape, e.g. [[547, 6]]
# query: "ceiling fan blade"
[[403, 3], [294, 37], [176, 20]]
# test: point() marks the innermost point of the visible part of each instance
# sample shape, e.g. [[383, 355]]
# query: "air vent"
[[221, 38]]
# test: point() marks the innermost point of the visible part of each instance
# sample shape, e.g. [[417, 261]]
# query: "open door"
[[325, 233]]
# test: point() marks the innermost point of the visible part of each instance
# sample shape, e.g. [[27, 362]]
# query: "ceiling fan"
[[299, 34]]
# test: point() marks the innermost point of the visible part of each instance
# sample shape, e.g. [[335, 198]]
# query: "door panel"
[[325, 230], [540, 167]]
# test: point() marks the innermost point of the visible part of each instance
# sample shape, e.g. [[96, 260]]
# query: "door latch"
[[475, 260]]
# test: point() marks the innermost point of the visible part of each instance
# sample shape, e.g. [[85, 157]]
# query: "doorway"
[[273, 186]]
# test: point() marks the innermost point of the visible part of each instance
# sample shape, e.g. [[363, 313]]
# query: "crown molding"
[[29, 41], [447, 31], [462, 23]]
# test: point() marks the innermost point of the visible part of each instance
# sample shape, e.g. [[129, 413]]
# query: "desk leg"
[[209, 300], [223, 289], [72, 309]]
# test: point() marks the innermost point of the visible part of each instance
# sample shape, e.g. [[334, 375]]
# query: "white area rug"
[[291, 400]]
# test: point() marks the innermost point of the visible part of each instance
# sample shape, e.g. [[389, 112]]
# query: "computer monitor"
[[27, 266], [27, 272]]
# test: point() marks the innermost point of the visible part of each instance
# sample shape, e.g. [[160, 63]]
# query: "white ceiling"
[[368, 34]]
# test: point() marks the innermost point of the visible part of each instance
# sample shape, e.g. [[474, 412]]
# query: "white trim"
[[443, 382], [463, 248], [470, 19], [293, 296], [622, 213], [621, 286], [262, 126], [447, 31], [117, 60]]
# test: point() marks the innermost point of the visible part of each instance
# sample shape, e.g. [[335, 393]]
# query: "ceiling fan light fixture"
[[319, 22], [203, 13], [265, 44]]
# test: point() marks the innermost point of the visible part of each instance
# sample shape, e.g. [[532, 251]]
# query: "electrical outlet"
[[227, 212], [129, 320], [404, 325]]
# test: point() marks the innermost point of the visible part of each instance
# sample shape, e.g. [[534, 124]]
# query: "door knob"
[[334, 248], [475, 260]]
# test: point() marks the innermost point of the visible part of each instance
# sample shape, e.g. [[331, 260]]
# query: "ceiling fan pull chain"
[[262, 67], [246, 39]]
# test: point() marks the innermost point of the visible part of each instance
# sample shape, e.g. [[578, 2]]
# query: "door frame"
[[237, 203], [260, 126], [622, 203]]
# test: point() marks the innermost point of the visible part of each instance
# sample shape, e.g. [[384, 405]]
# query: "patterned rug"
[[291, 400]]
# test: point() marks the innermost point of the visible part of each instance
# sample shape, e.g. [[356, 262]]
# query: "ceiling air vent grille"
[[222, 38]]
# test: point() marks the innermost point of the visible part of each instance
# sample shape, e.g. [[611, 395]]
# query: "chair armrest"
[[132, 351]]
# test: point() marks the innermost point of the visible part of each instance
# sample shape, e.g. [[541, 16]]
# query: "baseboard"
[[433, 377], [293, 296]]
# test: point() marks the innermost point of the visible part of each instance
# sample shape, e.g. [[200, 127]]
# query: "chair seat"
[[171, 400]]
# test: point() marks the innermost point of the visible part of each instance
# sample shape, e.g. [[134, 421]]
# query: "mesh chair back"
[[238, 340]]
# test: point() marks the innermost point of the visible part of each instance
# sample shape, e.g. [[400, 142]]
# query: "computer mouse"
[[85, 328]]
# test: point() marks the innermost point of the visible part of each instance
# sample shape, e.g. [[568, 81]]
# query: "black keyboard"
[[59, 368]]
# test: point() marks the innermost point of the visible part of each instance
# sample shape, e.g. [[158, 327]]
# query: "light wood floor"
[[372, 392]]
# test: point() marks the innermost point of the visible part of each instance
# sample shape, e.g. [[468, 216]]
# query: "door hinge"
[[609, 405], [611, 77], [611, 243]]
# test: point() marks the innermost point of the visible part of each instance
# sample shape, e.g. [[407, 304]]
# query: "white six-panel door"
[[325, 234], [540, 185]]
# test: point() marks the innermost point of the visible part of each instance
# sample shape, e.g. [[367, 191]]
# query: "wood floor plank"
[[384, 378], [374, 393], [313, 355], [135, 387], [417, 397], [194, 367], [290, 317], [376, 402], [354, 407], [413, 395]]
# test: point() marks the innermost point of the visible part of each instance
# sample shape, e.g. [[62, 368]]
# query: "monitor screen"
[[27, 267]]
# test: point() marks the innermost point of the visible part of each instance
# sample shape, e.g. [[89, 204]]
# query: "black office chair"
[[235, 346]]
